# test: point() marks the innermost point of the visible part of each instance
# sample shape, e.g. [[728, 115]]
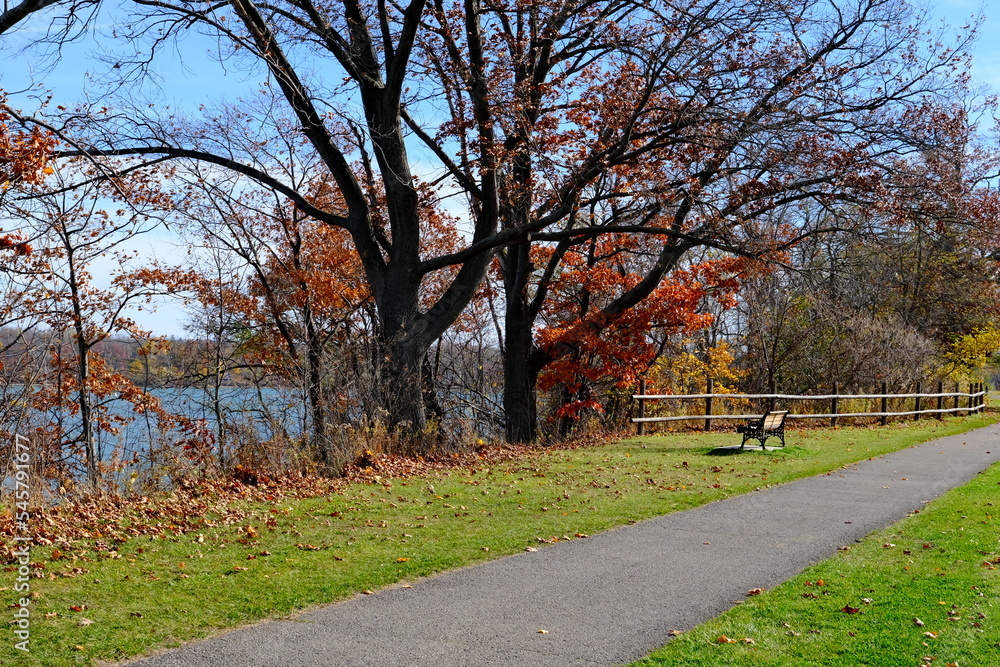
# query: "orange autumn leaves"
[[591, 346], [24, 154], [24, 158]]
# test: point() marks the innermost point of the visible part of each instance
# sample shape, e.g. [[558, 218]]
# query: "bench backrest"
[[773, 420]]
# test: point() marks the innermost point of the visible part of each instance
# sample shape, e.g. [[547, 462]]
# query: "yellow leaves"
[[973, 351]]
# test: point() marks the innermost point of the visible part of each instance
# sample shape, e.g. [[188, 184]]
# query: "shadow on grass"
[[734, 450]]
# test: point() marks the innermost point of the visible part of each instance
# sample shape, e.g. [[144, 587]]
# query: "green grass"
[[924, 591], [160, 591]]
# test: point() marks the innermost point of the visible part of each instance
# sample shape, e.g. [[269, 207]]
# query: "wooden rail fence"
[[944, 403]]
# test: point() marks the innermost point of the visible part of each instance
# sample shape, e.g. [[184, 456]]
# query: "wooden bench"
[[771, 425]]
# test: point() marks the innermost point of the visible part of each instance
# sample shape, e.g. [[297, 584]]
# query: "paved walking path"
[[612, 598]]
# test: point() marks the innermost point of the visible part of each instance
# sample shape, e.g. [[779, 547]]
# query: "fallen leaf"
[[402, 560], [543, 632], [675, 633], [78, 607], [747, 640], [754, 591], [851, 610], [725, 640], [85, 622], [79, 647], [932, 635], [917, 622]]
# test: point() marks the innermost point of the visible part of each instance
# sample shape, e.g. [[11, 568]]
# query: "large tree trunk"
[[402, 394], [521, 362]]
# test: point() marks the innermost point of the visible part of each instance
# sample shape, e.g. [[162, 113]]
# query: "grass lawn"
[[925, 591], [99, 602]]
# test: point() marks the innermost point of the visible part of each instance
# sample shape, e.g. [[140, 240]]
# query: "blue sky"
[[986, 64], [185, 88]]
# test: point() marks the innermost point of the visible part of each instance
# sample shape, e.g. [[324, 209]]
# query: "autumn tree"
[[71, 231], [702, 117], [591, 358], [695, 123], [887, 302], [292, 303]]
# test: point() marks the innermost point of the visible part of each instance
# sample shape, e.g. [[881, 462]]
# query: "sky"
[[186, 88], [986, 52]]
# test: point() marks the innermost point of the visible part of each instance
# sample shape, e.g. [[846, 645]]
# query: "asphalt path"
[[614, 597]]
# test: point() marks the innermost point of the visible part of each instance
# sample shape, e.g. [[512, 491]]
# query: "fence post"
[[772, 391], [885, 403], [640, 430], [971, 391], [916, 403], [710, 385], [833, 403], [958, 388], [940, 401]]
